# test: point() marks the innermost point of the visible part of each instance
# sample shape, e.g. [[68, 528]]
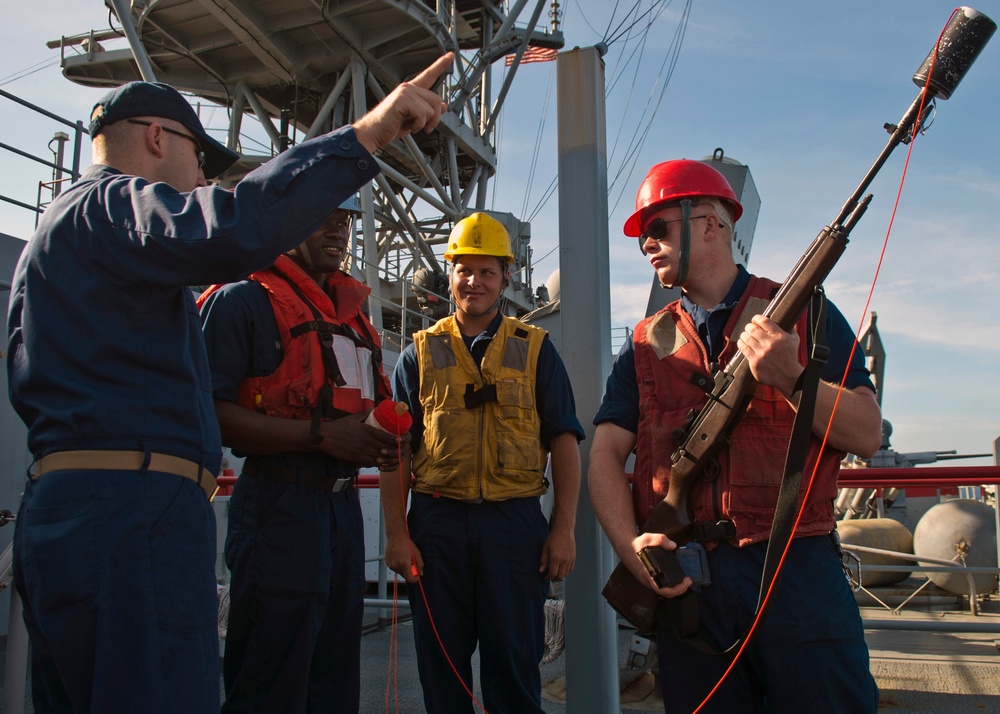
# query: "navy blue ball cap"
[[156, 99]]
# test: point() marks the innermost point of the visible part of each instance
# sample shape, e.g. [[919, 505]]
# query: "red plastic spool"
[[393, 417]]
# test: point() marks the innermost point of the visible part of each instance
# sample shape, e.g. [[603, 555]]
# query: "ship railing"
[[937, 565], [923, 476], [619, 336], [941, 477], [60, 171]]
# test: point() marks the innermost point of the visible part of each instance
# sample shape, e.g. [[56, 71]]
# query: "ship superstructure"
[[287, 71]]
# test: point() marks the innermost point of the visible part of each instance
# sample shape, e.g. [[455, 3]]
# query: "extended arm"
[[211, 235], [401, 555], [559, 553]]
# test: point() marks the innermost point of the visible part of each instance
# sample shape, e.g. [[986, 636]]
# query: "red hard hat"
[[673, 181]]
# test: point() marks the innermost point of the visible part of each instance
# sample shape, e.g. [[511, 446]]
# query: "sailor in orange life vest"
[[490, 398], [810, 654], [296, 367]]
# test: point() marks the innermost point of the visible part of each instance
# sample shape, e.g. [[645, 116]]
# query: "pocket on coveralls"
[[61, 545]]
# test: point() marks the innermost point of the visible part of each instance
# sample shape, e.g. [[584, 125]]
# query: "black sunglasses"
[[657, 230], [199, 149]]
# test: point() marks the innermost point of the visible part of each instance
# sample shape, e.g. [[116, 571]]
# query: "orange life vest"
[[744, 486], [332, 357]]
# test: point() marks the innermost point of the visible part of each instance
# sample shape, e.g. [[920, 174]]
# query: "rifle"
[[963, 39]]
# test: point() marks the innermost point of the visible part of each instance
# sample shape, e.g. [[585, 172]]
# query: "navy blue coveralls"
[[105, 351], [481, 582], [810, 654], [296, 553]]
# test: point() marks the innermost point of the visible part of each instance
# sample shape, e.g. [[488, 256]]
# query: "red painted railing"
[[908, 477], [920, 477]]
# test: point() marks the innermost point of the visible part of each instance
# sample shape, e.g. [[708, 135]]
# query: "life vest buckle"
[[708, 531]]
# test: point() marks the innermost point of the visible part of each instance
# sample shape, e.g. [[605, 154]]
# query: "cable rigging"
[[632, 156], [538, 142], [639, 49], [28, 71], [633, 50]]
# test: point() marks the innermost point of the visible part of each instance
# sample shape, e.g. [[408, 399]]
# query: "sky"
[[798, 92]]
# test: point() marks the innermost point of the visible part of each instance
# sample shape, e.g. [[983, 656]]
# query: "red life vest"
[[332, 357], [744, 487]]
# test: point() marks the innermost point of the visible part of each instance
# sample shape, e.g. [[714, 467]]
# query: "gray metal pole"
[[61, 137], [263, 118], [236, 118], [591, 632], [996, 498], [138, 51], [327, 109], [370, 251], [485, 101], [949, 626]]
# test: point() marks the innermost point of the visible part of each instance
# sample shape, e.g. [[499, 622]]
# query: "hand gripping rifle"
[[960, 43]]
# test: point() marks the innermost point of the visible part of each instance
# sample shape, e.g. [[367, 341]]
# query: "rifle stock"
[[965, 36]]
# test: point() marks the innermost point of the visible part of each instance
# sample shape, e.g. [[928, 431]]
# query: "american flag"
[[533, 54]]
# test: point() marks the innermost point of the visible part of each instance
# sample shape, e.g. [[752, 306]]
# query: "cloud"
[[973, 180], [628, 302]]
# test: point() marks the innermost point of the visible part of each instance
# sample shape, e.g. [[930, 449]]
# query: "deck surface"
[[919, 671]]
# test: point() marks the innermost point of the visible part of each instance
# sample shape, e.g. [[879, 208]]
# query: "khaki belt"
[[126, 461]]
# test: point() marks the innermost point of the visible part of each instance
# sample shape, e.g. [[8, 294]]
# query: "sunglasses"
[[200, 151], [657, 230]]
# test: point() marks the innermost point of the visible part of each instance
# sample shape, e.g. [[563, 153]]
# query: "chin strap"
[[685, 247]]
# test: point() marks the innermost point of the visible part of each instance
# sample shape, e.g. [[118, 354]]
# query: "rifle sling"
[[680, 615]]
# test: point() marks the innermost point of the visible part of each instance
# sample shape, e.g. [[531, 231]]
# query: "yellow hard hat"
[[479, 234]]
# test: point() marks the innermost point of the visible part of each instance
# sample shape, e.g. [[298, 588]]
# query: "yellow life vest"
[[481, 426]]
